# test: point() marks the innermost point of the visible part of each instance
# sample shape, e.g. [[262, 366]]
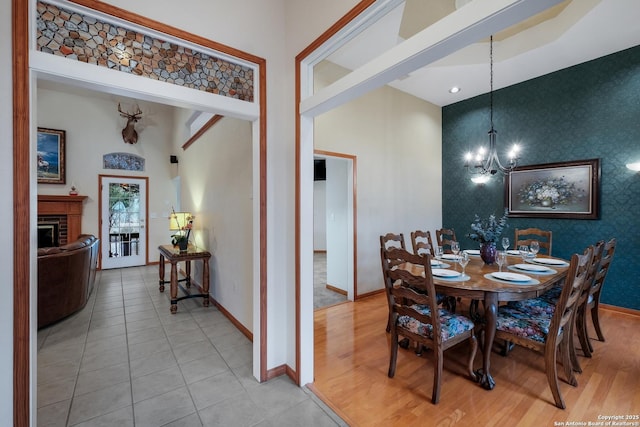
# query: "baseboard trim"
[[246, 332], [623, 310], [370, 294], [336, 290]]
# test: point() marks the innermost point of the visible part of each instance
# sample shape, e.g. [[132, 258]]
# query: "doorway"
[[334, 228], [123, 216]]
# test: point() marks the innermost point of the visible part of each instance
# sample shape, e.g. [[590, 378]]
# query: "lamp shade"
[[179, 220]]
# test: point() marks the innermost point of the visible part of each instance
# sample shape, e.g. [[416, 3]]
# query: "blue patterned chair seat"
[[533, 307], [552, 295], [523, 324], [451, 324]]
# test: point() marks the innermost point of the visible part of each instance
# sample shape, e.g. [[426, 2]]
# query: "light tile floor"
[[124, 360]]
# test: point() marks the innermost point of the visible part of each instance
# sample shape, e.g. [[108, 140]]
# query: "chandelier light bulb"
[[634, 166]]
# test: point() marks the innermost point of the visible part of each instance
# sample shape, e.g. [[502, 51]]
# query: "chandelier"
[[485, 163]]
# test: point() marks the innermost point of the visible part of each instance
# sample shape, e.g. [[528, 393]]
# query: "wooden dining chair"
[[526, 235], [414, 314], [444, 237], [546, 334], [593, 300], [422, 243]]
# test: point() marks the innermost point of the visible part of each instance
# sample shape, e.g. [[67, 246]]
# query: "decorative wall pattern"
[[587, 111], [124, 161], [82, 38]]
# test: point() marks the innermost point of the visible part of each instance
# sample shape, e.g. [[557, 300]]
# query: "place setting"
[[453, 275], [508, 277], [550, 262], [532, 269]]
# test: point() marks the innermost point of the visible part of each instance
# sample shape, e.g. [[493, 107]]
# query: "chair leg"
[[551, 369], [472, 356], [596, 321], [581, 330], [394, 353], [573, 356], [567, 363], [437, 374]]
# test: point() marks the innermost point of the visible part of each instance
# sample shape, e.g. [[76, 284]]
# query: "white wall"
[[338, 217], [6, 207], [216, 176], [93, 128], [320, 215], [397, 140]]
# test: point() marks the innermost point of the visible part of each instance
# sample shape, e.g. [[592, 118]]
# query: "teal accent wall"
[[591, 110]]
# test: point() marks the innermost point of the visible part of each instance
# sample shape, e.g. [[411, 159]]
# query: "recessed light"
[[454, 89]]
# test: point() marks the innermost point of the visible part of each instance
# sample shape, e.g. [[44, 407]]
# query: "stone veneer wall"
[[83, 38]]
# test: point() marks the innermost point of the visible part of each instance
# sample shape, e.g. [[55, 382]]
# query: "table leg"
[[205, 282], [490, 309], [161, 273], [187, 268], [174, 288]]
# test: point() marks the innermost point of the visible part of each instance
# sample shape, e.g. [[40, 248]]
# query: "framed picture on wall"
[[555, 190], [51, 150]]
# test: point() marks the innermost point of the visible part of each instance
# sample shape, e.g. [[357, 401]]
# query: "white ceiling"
[[580, 31]]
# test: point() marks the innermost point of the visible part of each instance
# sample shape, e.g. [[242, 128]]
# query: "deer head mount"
[[129, 134]]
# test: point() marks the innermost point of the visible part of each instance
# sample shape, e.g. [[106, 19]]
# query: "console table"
[[174, 256]]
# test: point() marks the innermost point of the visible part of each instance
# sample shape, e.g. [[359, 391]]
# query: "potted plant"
[[181, 238], [487, 232]]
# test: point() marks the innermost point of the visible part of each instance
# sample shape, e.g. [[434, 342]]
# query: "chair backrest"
[[526, 235], [444, 237], [405, 287], [390, 240], [422, 243], [569, 297], [605, 262], [592, 271]]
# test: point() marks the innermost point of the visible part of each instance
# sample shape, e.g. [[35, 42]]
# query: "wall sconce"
[[480, 179], [634, 166]]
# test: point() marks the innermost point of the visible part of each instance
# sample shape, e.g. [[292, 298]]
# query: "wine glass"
[[524, 252], [438, 253], [534, 247], [501, 259], [505, 243], [455, 248], [463, 260]]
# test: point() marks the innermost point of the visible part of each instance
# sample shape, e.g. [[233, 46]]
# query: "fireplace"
[[48, 234], [66, 211]]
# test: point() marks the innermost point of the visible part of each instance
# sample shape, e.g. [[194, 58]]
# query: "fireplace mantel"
[[71, 206]]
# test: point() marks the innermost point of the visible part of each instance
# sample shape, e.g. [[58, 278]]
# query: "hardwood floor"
[[352, 358]]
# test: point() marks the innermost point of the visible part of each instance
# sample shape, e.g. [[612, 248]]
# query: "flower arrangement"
[[181, 236], [549, 192], [488, 231]]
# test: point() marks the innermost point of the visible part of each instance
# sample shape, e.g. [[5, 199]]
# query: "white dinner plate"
[[435, 263], [440, 272], [549, 261], [532, 267], [472, 251], [511, 277], [513, 252], [450, 256]]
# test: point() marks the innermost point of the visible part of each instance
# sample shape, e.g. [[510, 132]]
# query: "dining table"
[[481, 283]]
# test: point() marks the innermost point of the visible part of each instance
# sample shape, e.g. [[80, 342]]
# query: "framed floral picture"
[[555, 190], [51, 156]]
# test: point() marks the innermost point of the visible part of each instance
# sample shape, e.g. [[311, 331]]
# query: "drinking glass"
[[455, 248], [463, 260], [524, 252], [505, 243], [438, 253], [534, 247], [501, 259]]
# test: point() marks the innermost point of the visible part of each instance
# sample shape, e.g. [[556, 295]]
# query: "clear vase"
[[488, 252]]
